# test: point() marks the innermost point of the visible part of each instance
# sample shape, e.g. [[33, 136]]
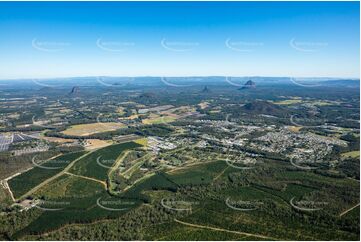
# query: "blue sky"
[[300, 39]]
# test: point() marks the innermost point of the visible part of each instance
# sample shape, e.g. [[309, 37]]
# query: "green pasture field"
[[159, 181], [89, 167], [23, 183], [78, 202], [201, 174], [68, 186], [274, 217]]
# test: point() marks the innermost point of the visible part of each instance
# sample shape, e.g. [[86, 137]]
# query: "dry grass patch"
[[97, 143], [88, 129], [295, 129]]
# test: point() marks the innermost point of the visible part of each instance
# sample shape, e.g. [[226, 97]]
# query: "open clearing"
[[96, 144], [288, 102], [88, 129], [159, 120], [142, 141], [295, 129], [57, 139]]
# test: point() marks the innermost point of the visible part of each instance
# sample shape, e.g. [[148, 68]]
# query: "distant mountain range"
[[122, 82], [345, 83]]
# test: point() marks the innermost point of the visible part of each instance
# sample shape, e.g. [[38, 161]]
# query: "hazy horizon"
[[199, 76]]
